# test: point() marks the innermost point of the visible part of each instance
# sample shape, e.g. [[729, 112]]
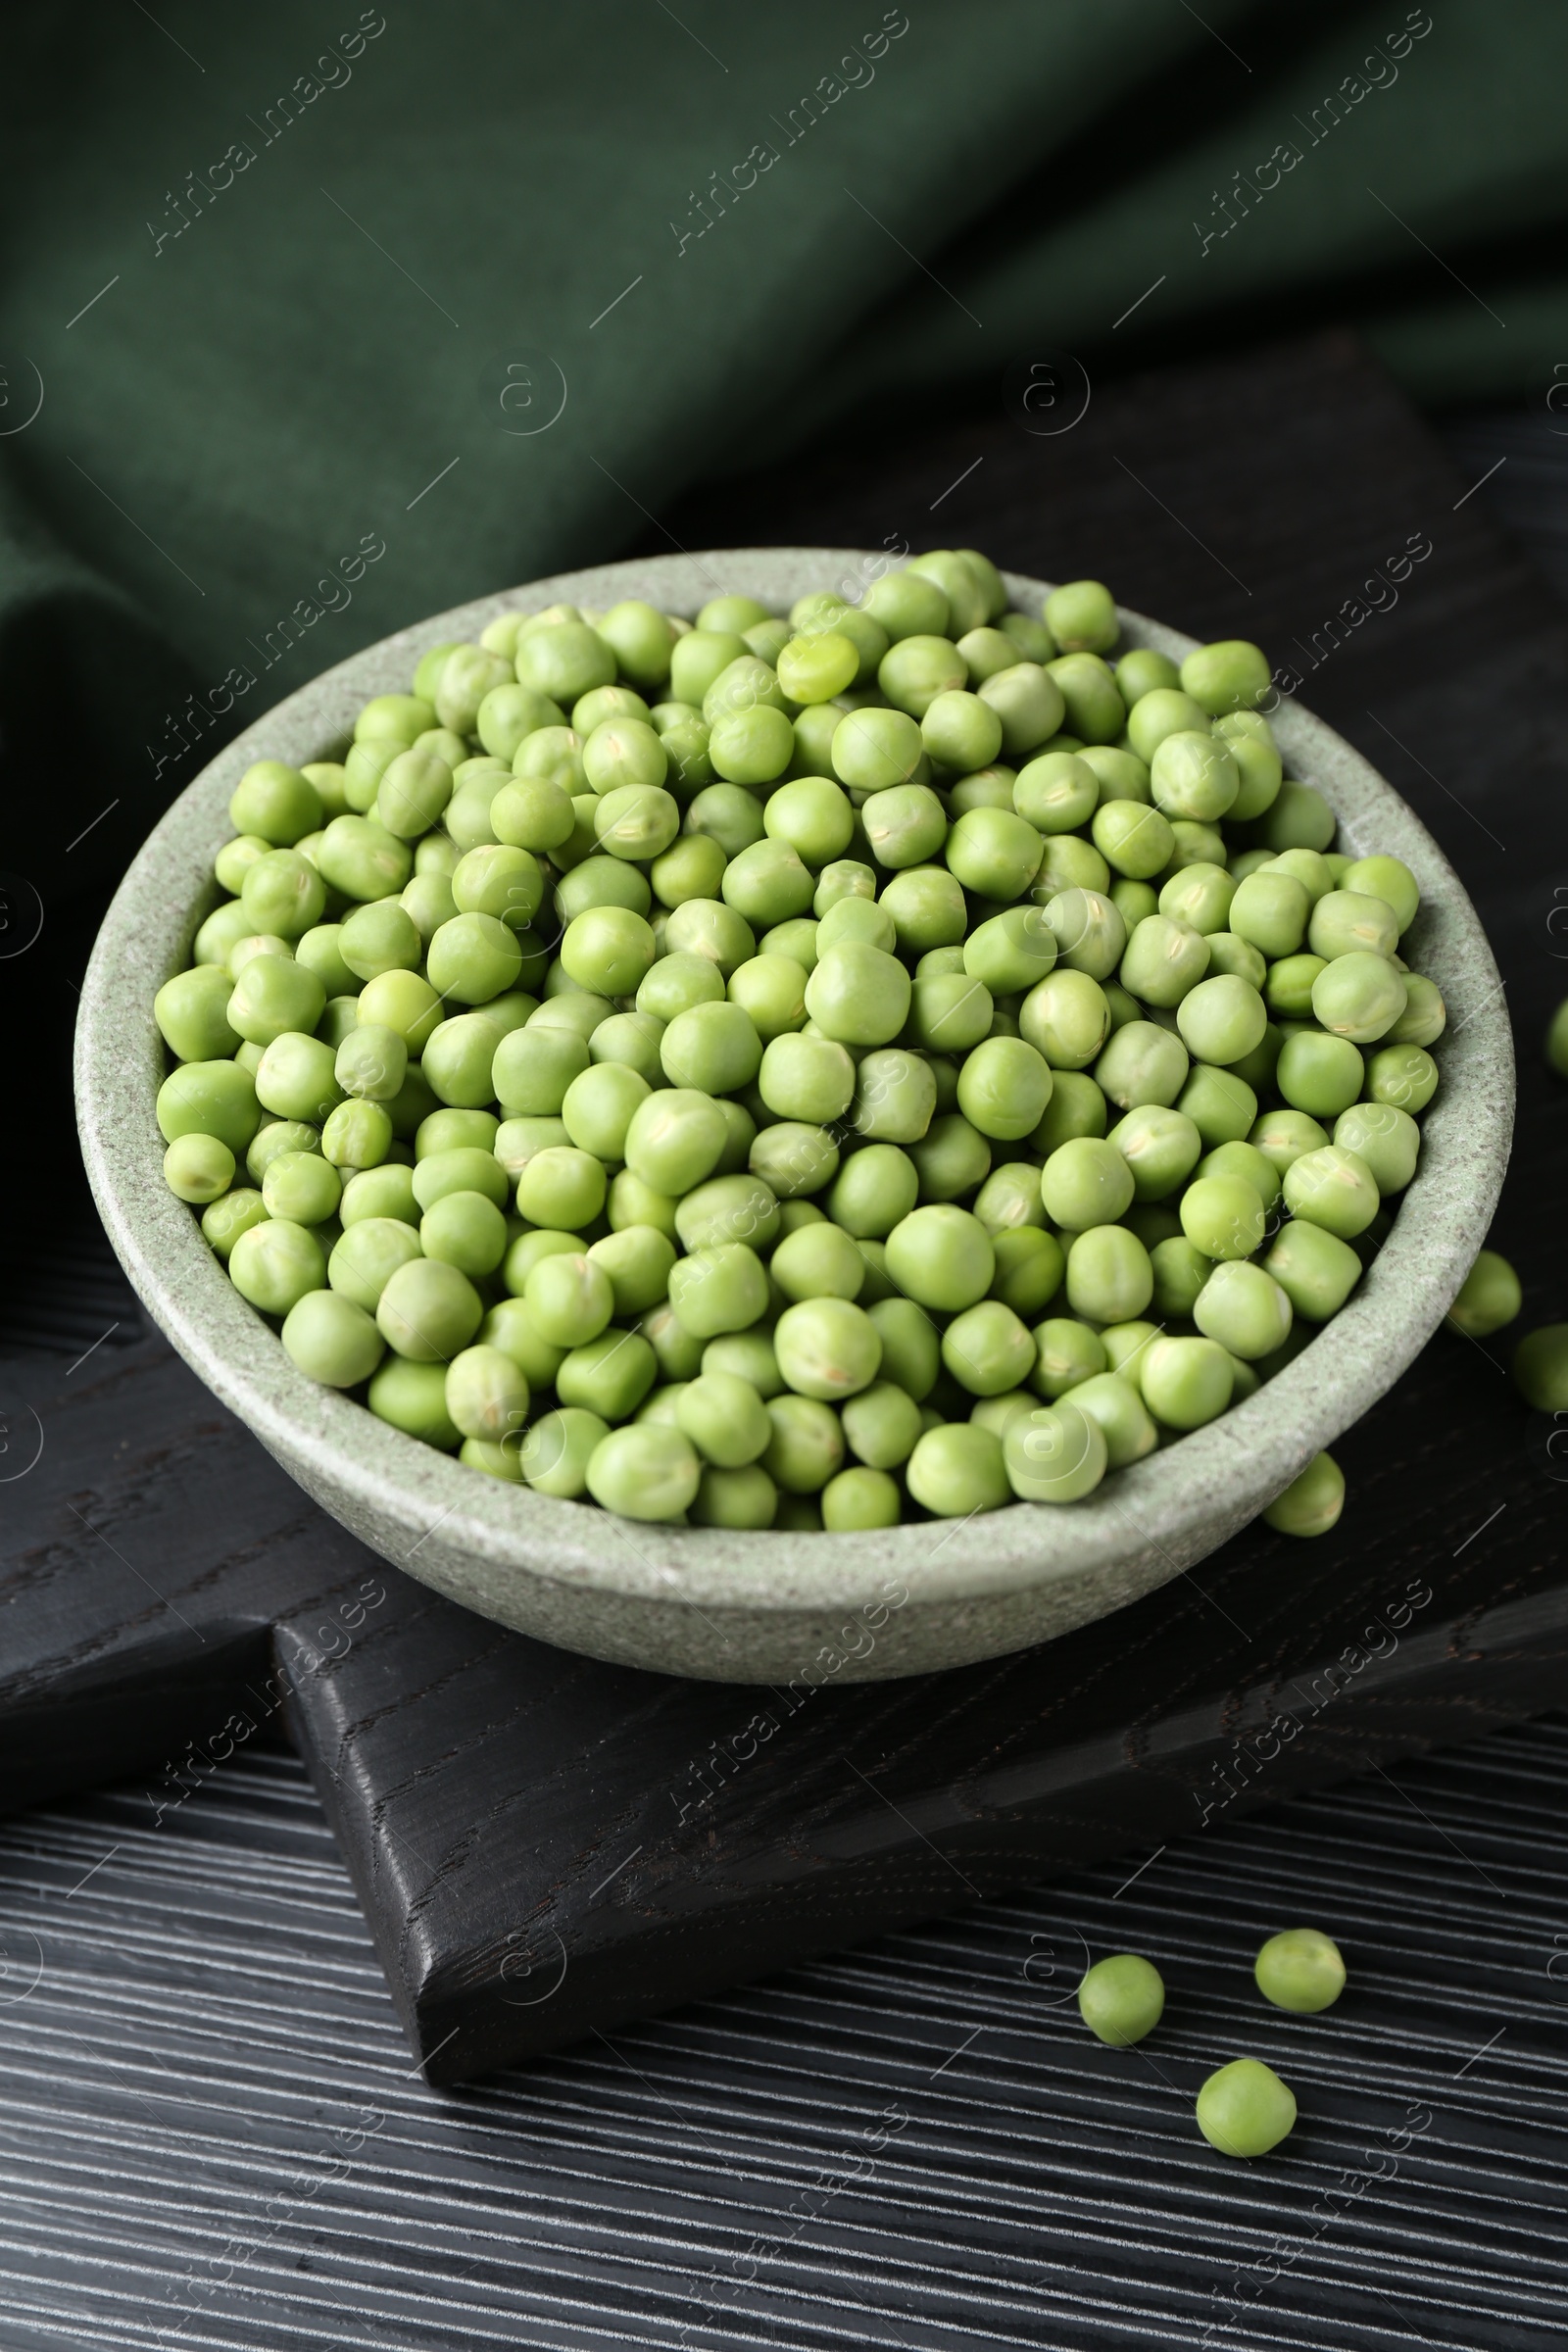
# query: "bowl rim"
[[410, 1490]]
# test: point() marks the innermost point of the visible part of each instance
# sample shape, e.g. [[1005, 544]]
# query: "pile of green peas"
[[803, 1072]]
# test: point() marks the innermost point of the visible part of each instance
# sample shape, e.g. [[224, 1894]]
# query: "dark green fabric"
[[242, 389]]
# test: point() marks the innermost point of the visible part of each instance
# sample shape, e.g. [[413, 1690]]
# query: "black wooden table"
[[217, 2132]]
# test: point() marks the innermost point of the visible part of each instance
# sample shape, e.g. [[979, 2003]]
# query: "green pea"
[[1186, 1383], [1066, 1352], [1141, 670], [569, 1297], [719, 1290], [282, 893], [1110, 1276], [1231, 674], [1011, 951], [1030, 702], [1347, 920], [959, 730], [405, 1002], [1333, 1188], [1160, 1146], [562, 1188], [459, 1060], [200, 1168], [532, 1069], [1029, 1268], [826, 1347], [383, 1191], [1249, 740], [675, 1138], [713, 1048], [1301, 1969], [1164, 960], [1089, 932], [856, 921], [1135, 841], [275, 1264], [971, 584], [332, 1340], [1057, 793], [1359, 995], [1405, 1076], [1164, 710], [637, 1259], [1299, 818], [917, 670], [1086, 1183], [707, 927], [1194, 775], [1321, 1074], [1243, 1308], [1490, 1297], [1222, 1020], [1282, 1136], [988, 1349], [599, 1107], [993, 851], [941, 1256], [957, 1469], [608, 951], [1010, 1199], [1540, 1368], [907, 604], [192, 1014], [1114, 1403], [1200, 895], [645, 1472], [881, 1425], [362, 860], [1179, 1272], [413, 1397], [553, 1457], [806, 1446], [877, 1186], [276, 802], [1425, 1016], [895, 1097], [1122, 1999], [905, 824], [1143, 1064], [746, 1497], [1243, 2109], [767, 883], [1223, 1217], [1004, 1088], [860, 1498], [1314, 1268], [1054, 1454], [1066, 1018], [927, 907], [794, 1158], [302, 1186], [467, 1231], [951, 1159], [810, 1079], [273, 996]]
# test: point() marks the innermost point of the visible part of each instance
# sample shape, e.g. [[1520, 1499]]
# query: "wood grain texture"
[[546, 1845]]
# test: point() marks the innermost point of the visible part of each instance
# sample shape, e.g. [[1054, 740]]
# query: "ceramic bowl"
[[770, 1607]]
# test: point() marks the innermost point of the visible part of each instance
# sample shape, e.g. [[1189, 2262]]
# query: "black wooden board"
[[546, 1846]]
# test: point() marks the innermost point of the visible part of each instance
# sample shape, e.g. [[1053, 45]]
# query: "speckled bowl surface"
[[770, 1607]]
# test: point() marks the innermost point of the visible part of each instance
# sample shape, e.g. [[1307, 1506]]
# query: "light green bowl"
[[766, 1607]]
